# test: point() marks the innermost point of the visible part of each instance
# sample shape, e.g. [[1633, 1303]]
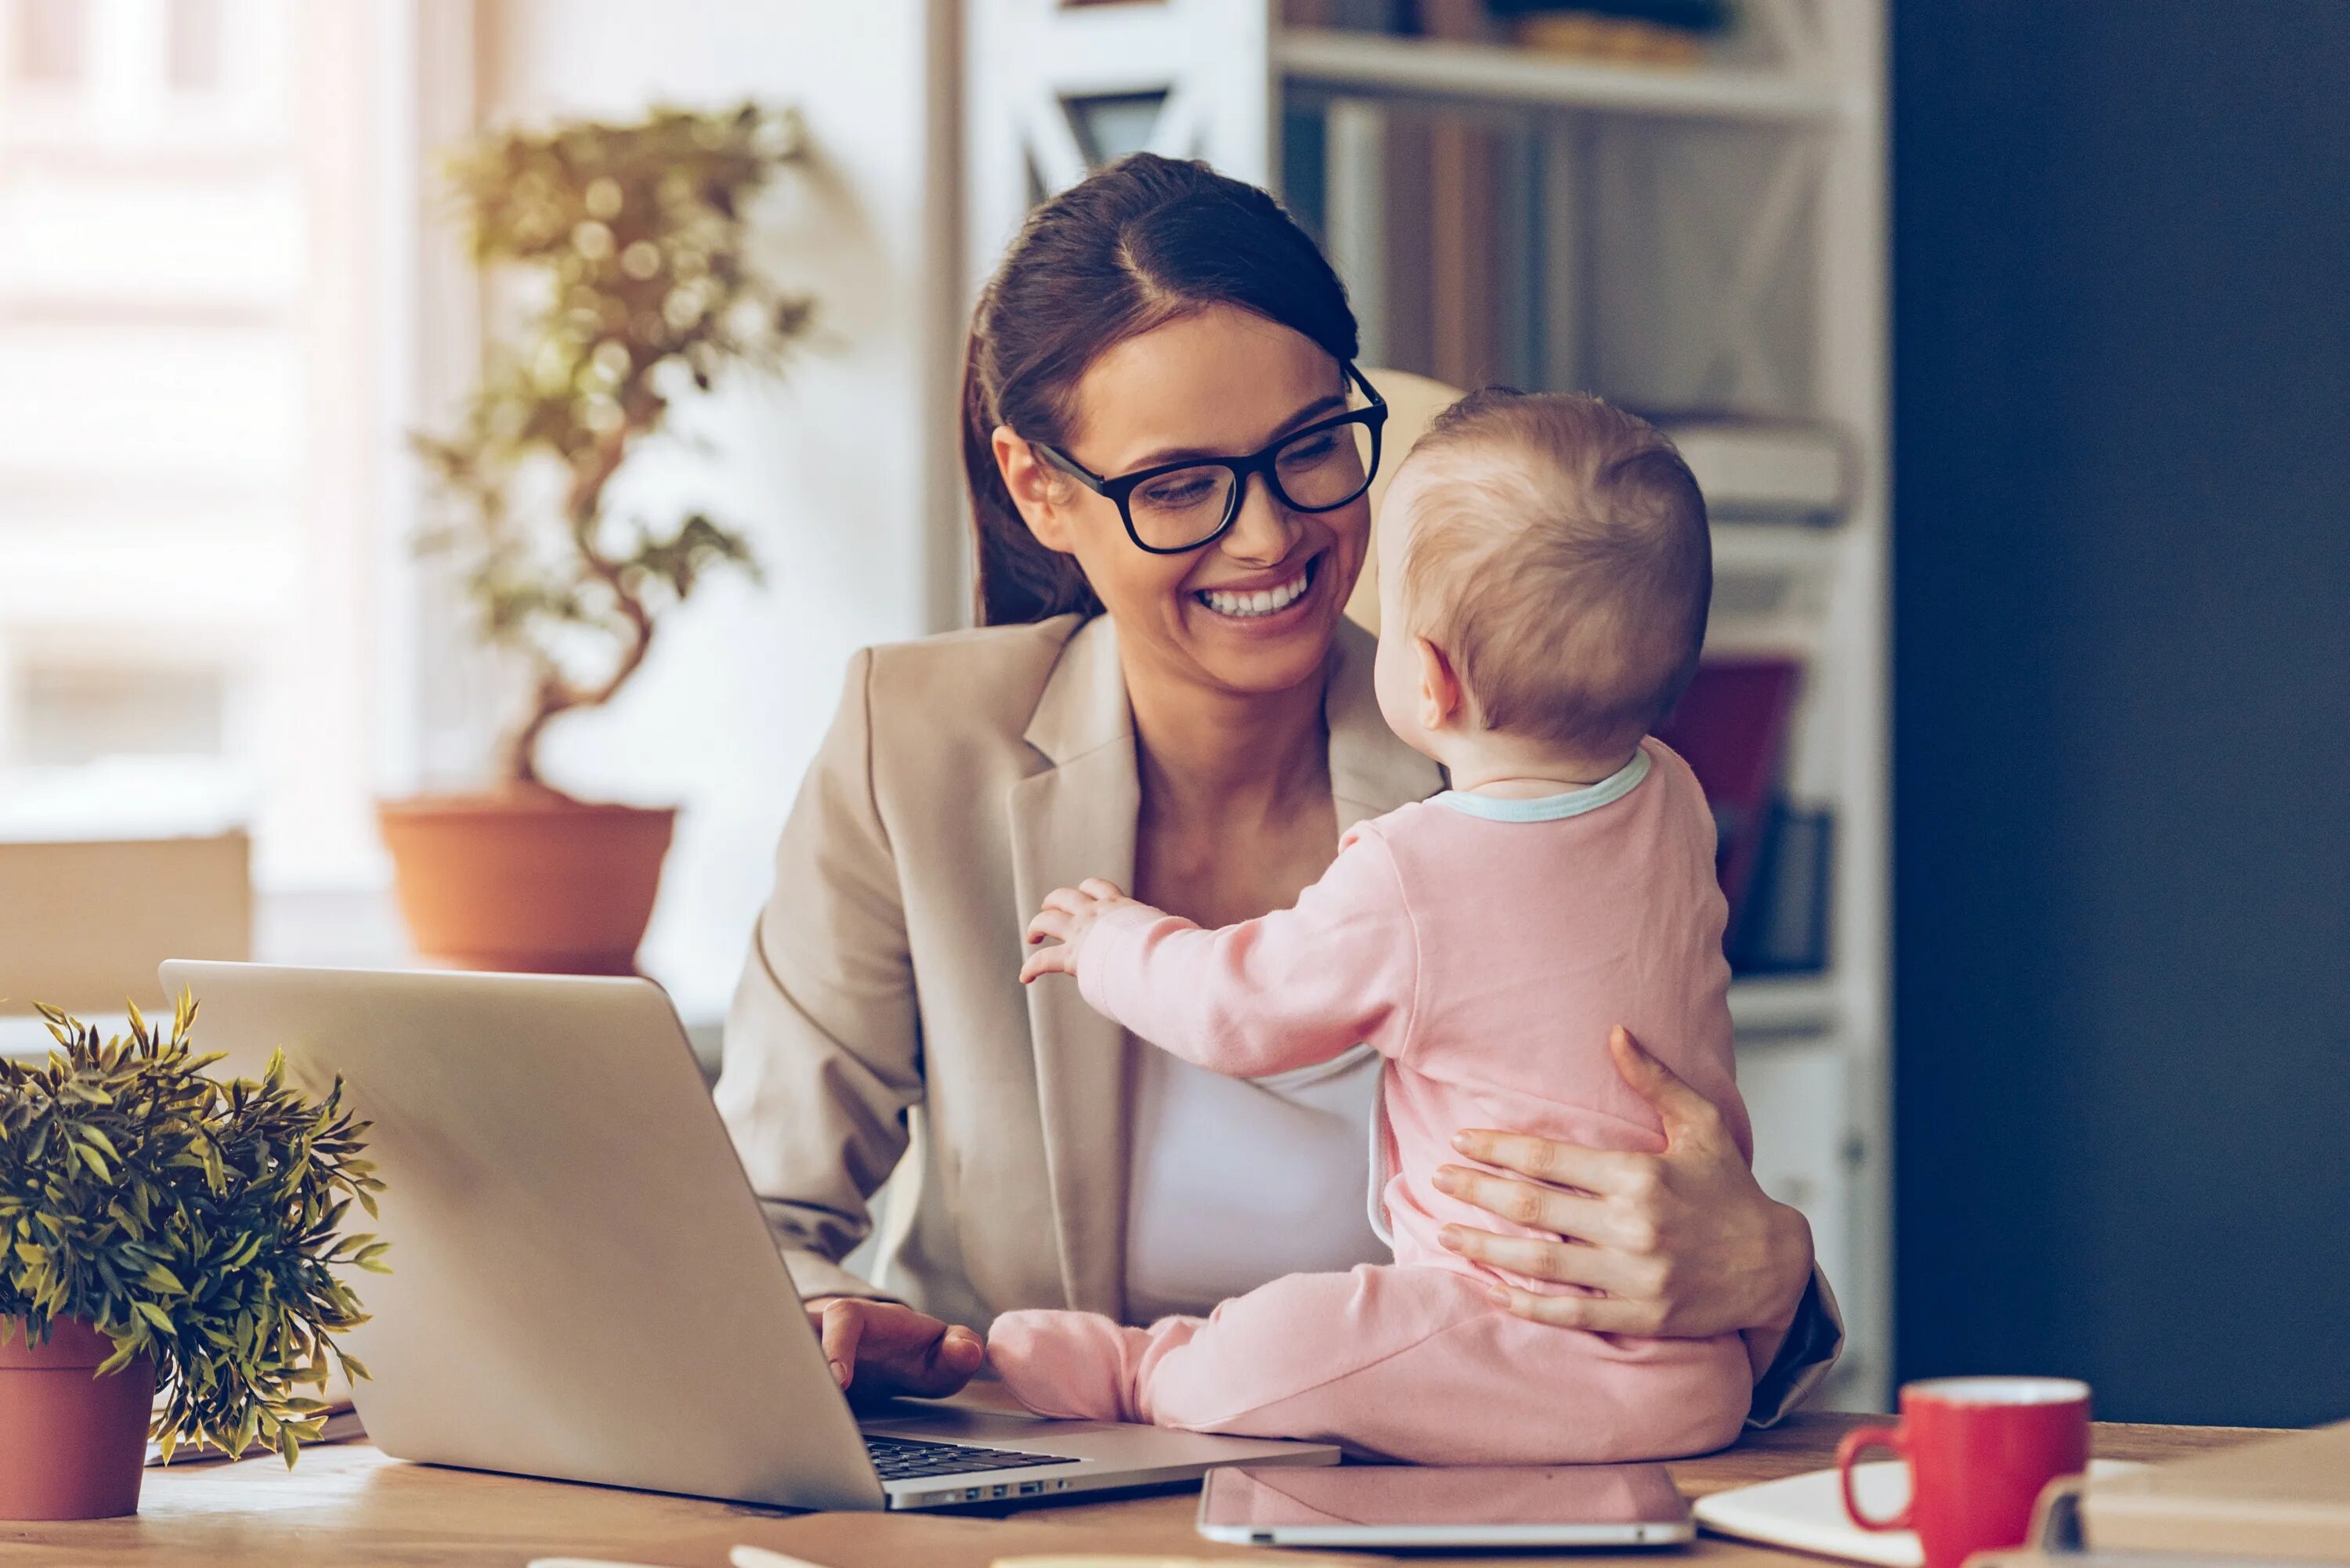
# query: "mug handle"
[[1858, 1442]]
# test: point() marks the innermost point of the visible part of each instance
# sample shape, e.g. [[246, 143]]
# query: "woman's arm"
[[821, 1060], [1681, 1244]]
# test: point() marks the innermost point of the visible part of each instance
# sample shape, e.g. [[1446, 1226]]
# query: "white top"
[[1238, 1182]]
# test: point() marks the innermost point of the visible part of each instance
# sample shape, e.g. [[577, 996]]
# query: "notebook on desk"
[[1805, 1512], [2286, 1499]]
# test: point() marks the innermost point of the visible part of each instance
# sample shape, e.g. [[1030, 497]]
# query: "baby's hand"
[[1068, 915]]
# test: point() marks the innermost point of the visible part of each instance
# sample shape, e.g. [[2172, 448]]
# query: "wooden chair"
[[1412, 402]]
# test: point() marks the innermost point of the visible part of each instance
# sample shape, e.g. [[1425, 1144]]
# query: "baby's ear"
[[1441, 696]]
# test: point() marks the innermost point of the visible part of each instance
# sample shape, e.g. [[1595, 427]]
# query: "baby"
[[1543, 573]]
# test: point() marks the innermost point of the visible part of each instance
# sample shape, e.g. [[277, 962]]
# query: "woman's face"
[[1221, 383]]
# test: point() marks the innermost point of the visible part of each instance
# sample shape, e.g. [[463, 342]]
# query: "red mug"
[[1980, 1449]]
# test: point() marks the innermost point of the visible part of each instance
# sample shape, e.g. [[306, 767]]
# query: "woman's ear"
[[1032, 486], [1441, 696]]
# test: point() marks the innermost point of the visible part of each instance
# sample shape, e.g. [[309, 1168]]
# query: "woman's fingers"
[[1688, 1117], [883, 1347], [840, 1325], [1541, 1258], [946, 1365], [1530, 1204], [1547, 1159], [1599, 1315]]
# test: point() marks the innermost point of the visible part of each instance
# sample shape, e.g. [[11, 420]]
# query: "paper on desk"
[[1806, 1513]]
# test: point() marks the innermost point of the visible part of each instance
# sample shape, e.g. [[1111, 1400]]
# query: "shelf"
[[1774, 547], [1792, 1004], [1420, 68]]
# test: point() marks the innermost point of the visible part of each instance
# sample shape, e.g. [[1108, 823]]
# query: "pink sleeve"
[[1297, 987]]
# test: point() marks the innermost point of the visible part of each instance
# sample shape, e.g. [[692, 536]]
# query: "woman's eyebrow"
[[1320, 408]]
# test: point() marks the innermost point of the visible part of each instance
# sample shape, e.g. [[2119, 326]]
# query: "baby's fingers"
[[1095, 888], [1068, 900], [1047, 960], [1048, 923]]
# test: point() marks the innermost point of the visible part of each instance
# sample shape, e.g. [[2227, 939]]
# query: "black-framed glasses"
[[1180, 506]]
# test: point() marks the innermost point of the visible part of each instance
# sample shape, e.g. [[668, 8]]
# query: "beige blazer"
[[880, 1019]]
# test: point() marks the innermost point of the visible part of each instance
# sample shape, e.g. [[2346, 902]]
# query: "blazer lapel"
[[1076, 820]]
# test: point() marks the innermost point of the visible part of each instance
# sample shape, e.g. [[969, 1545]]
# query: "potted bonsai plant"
[[163, 1232], [634, 242]]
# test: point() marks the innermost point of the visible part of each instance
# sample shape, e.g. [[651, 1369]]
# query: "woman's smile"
[[1274, 602]]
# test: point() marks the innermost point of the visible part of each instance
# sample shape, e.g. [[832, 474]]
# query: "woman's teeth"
[[1256, 603]]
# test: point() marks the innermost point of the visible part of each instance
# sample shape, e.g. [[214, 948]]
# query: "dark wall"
[[2122, 456]]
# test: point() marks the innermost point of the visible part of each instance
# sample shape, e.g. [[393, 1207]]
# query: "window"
[[194, 51], [46, 41], [186, 417]]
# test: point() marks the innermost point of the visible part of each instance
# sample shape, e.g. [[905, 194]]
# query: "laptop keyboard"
[[904, 1459]]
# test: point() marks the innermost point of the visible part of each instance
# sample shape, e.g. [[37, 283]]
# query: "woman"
[[1189, 717]]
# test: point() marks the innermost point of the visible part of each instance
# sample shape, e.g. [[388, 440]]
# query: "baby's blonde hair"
[[1567, 582]]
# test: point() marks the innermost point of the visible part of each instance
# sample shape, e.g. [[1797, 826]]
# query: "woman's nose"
[[1261, 535]]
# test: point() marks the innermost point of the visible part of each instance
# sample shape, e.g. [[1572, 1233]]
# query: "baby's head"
[[1544, 569]]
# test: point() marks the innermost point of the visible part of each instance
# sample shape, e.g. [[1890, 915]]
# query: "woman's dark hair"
[[1139, 244]]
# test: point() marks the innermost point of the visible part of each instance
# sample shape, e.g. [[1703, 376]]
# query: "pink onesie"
[[1485, 947]]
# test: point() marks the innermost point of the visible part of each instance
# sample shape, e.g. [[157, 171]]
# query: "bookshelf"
[[1707, 237], [1339, 61]]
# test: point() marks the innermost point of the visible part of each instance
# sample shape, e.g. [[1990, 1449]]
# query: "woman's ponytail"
[[1019, 580]]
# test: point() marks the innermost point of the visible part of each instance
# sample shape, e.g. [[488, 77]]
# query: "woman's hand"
[[1068, 914], [880, 1348], [1682, 1244]]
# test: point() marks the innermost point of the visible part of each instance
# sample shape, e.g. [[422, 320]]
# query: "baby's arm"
[[1292, 988]]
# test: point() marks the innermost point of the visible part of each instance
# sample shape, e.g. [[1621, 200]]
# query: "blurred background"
[[2008, 338]]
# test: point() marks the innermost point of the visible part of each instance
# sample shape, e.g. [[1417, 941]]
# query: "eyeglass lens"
[[1314, 471]]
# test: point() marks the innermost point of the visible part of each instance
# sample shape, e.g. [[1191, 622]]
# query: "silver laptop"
[[582, 1284]]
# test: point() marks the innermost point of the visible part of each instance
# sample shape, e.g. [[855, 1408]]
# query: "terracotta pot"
[[72, 1445], [527, 880]]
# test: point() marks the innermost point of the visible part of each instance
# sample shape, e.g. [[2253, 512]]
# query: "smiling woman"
[[1168, 450], [1249, 600]]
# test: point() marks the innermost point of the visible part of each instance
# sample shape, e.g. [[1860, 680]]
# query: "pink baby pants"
[[1401, 1362]]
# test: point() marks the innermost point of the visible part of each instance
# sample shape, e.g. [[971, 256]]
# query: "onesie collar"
[[1552, 807]]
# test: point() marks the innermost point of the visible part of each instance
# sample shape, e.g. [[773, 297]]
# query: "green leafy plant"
[[190, 1219], [635, 245]]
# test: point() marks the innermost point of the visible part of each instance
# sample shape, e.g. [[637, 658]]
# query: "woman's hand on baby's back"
[[881, 1348], [1681, 1244]]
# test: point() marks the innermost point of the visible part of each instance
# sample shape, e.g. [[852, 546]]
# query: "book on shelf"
[[1784, 928], [1764, 470], [1730, 727], [1617, 32]]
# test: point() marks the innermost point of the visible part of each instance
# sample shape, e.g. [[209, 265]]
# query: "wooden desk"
[[353, 1508]]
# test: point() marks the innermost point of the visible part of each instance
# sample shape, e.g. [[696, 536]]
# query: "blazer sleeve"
[[823, 1046], [1798, 1358]]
